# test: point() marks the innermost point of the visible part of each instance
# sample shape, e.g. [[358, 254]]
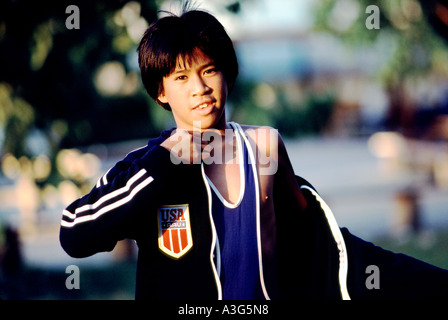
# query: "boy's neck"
[[222, 129]]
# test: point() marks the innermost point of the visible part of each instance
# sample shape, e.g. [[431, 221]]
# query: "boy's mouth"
[[202, 106], [205, 107]]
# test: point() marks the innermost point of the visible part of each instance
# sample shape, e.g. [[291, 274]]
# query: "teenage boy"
[[215, 207]]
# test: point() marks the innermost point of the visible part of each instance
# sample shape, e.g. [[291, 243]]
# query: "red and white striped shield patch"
[[174, 230]]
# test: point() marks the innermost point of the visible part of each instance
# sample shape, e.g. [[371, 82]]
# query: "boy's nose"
[[200, 86]]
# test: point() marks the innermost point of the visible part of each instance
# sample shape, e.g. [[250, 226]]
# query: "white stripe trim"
[[242, 180], [336, 231], [257, 201], [103, 180], [111, 195], [214, 237], [108, 208]]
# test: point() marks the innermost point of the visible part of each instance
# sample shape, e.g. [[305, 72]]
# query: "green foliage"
[[426, 246], [306, 115], [16, 118], [50, 69], [403, 25]]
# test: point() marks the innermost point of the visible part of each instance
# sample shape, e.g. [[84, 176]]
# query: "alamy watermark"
[[74, 277], [219, 147], [373, 20], [373, 280], [73, 280], [73, 20]]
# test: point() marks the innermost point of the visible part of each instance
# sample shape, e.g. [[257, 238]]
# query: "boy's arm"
[[376, 273], [113, 209], [273, 160], [287, 174]]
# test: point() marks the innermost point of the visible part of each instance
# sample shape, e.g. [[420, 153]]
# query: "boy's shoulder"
[[258, 129], [267, 139], [153, 142], [260, 133]]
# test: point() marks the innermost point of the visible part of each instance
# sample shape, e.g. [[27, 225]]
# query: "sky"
[[258, 16]]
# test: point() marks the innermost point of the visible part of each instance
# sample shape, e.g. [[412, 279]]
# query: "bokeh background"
[[363, 111]]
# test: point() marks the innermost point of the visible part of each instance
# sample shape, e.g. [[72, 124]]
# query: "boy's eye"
[[181, 78], [210, 71]]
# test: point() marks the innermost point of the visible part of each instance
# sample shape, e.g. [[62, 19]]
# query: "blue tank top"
[[236, 226]]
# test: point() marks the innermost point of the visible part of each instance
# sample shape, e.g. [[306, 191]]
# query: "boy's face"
[[196, 92]]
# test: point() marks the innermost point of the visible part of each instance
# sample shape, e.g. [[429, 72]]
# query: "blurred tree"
[[16, 118], [52, 68], [403, 27]]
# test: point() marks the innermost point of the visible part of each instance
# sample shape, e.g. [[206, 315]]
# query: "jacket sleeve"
[[110, 212], [376, 273]]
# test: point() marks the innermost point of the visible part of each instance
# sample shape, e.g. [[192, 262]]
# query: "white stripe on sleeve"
[[119, 202]]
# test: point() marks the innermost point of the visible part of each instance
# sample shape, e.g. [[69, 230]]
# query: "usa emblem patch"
[[174, 230]]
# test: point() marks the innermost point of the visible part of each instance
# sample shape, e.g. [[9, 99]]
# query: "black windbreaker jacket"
[[304, 254]]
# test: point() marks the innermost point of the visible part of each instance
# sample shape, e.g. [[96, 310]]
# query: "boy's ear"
[[162, 98]]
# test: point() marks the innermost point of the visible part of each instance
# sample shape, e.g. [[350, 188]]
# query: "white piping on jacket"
[[343, 259]]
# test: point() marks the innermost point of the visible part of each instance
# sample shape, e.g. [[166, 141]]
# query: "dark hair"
[[173, 37]]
